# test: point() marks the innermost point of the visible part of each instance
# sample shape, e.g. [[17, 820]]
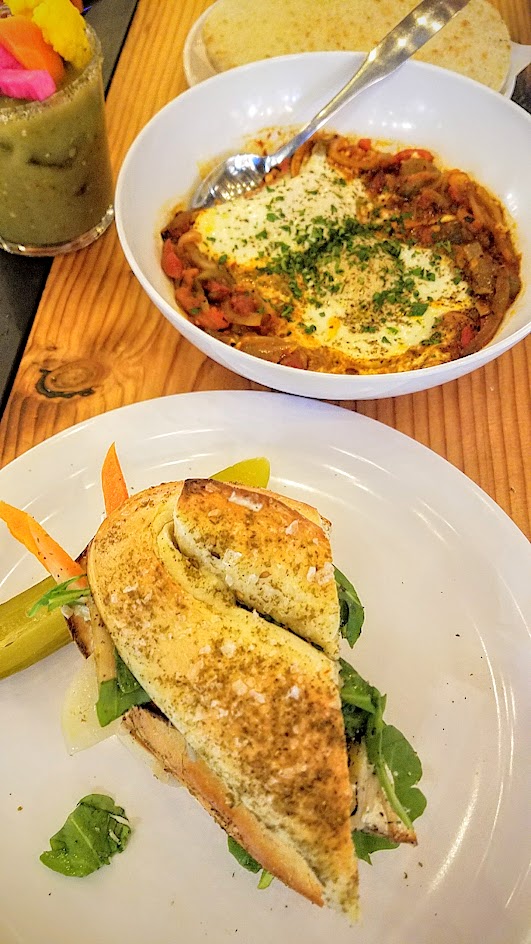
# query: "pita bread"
[[475, 43]]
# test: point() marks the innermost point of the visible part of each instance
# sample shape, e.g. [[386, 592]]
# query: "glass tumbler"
[[56, 186]]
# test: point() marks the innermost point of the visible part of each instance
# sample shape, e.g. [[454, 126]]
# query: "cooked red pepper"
[[243, 304], [189, 300], [467, 336], [216, 291], [171, 264], [212, 319], [365, 144], [411, 152]]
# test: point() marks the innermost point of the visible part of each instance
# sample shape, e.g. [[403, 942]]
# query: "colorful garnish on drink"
[[36, 42]]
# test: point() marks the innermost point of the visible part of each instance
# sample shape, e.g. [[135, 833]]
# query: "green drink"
[[56, 185]]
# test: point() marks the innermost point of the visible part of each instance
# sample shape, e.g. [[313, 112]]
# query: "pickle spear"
[[24, 641], [254, 473]]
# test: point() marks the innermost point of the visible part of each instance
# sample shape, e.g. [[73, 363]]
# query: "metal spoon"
[[243, 172]]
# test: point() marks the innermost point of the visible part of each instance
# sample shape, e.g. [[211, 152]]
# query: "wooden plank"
[[99, 342]]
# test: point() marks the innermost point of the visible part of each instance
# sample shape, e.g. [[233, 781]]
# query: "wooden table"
[[97, 342]]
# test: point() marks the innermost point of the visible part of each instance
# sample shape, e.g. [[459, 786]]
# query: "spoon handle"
[[409, 35]]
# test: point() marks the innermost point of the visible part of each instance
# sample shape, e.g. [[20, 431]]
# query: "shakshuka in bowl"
[[392, 252]]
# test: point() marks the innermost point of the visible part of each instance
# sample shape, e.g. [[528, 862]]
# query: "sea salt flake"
[[245, 502], [131, 589], [204, 650], [239, 687], [311, 574], [294, 692], [228, 648], [257, 696], [325, 574], [293, 527], [230, 557]]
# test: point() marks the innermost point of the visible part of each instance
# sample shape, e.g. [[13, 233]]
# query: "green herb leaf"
[[265, 879], [247, 862], [396, 763], [63, 594], [417, 309], [355, 690], [94, 831], [355, 721], [242, 856], [119, 694], [367, 843], [406, 768], [351, 610]]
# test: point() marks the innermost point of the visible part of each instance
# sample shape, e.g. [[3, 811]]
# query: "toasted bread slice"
[[267, 550], [258, 705]]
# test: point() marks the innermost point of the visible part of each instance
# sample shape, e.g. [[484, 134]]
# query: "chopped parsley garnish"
[[418, 309]]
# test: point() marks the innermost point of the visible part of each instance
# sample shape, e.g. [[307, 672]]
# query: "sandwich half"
[[206, 591], [214, 620]]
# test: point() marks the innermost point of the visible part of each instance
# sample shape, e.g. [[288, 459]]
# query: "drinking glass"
[[56, 186]]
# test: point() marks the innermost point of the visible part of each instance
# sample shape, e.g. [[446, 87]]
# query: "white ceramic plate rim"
[[324, 454]]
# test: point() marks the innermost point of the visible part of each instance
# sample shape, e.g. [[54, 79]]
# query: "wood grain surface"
[[98, 343]]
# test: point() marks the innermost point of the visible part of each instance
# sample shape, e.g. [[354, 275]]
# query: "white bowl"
[[466, 124]]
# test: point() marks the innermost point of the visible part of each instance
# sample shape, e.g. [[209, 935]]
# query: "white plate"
[[197, 65], [444, 576]]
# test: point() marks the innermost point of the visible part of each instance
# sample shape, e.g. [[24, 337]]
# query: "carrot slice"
[[112, 481], [38, 542], [24, 40]]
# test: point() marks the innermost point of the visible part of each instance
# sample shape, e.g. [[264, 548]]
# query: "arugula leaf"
[[127, 683], [355, 721], [242, 856], [404, 763], [397, 766], [367, 843], [246, 860], [265, 879], [63, 594], [94, 832], [119, 694], [396, 763], [351, 611], [355, 690]]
